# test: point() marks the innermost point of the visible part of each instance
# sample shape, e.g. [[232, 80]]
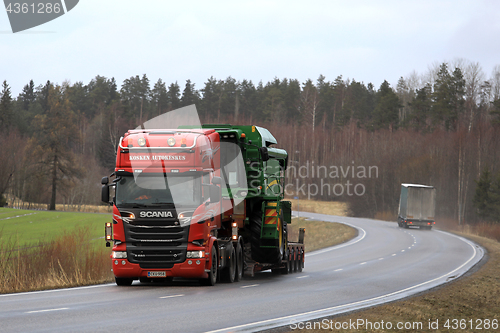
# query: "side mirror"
[[215, 194], [105, 193], [105, 180], [264, 153]]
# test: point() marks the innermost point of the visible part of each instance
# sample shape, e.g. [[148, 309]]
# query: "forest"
[[347, 140]]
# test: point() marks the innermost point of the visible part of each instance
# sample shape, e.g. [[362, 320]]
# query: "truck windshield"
[[158, 190]]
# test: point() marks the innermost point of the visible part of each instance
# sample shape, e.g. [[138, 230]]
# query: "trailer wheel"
[[291, 262], [123, 281], [228, 274], [296, 261], [299, 261], [212, 275], [286, 269], [239, 262]]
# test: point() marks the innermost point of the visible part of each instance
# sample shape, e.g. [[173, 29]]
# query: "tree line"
[[57, 139]]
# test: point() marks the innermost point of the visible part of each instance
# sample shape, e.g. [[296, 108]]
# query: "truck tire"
[[258, 254], [263, 255], [291, 262], [228, 274], [240, 264], [123, 281], [212, 275], [299, 261], [286, 270], [296, 260]]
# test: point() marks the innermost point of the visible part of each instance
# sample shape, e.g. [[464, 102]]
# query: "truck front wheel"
[[212, 275], [239, 262], [228, 274]]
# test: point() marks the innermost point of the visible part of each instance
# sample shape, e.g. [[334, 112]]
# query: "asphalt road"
[[381, 264]]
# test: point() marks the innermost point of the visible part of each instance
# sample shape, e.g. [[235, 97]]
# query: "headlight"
[[119, 255], [195, 254]]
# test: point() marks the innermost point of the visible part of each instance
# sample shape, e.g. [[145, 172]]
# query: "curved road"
[[381, 264]]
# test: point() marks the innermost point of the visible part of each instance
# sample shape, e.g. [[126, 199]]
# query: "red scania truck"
[[203, 203]]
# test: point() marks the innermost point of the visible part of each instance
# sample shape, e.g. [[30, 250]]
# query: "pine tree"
[[6, 106], [487, 196], [448, 97], [420, 108], [159, 97], [28, 95], [494, 195], [174, 96], [190, 95], [386, 113]]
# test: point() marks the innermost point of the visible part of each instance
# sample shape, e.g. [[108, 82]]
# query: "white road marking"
[[338, 270], [172, 296], [48, 310], [58, 290], [249, 286], [381, 259], [328, 311], [301, 277], [394, 255], [402, 250], [363, 263]]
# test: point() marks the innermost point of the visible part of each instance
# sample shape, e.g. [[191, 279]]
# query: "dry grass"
[[68, 261], [320, 234], [19, 204], [386, 216], [322, 207]]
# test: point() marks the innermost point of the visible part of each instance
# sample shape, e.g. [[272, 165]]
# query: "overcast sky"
[[369, 41]]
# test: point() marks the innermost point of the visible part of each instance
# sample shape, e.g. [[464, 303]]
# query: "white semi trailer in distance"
[[417, 206]]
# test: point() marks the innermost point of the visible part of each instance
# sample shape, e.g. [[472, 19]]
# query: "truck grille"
[[155, 246]]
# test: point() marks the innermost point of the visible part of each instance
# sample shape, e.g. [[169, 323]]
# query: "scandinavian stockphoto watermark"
[[309, 180], [26, 14]]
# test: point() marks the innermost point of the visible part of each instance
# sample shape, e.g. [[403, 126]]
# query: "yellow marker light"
[[108, 224], [108, 237], [235, 224], [235, 237], [181, 216]]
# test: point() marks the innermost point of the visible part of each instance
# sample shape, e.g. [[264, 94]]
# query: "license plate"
[[157, 274]]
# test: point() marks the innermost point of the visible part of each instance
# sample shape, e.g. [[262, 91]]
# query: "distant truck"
[[417, 206]]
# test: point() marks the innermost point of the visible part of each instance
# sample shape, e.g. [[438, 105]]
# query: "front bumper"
[[191, 268]]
